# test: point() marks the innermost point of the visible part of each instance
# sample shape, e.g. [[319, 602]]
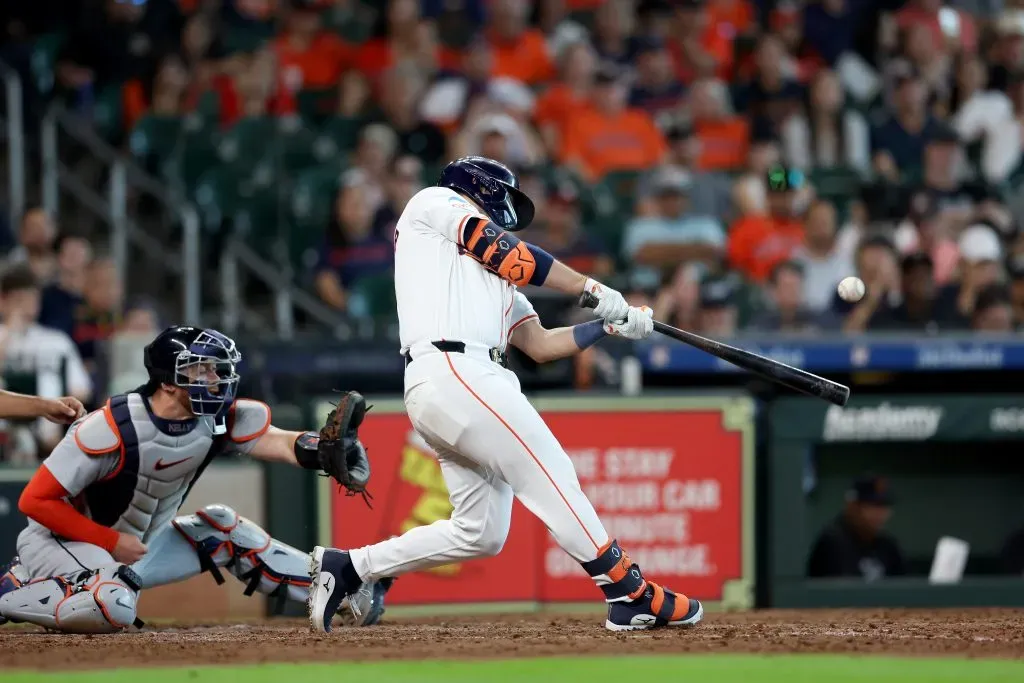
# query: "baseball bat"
[[780, 373]]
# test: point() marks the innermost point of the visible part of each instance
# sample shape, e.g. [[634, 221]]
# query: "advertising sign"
[[671, 478]]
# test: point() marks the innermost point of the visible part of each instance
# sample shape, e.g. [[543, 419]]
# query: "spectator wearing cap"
[[309, 56], [710, 191], [1015, 269], [993, 310], [877, 264], [718, 313], [921, 309], [773, 93], [518, 51], [898, 141], [561, 234], [788, 312], [827, 135], [855, 545], [757, 243], [673, 234], [699, 46], [1006, 53], [351, 251], [823, 262], [981, 265], [984, 114], [609, 136], [401, 89], [655, 88], [496, 135], [563, 101], [445, 103], [924, 229], [611, 35], [724, 137]]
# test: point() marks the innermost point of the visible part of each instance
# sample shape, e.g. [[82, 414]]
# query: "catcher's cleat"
[[656, 607], [12, 577], [333, 580]]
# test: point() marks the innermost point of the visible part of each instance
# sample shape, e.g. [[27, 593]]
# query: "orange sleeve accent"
[[250, 437], [113, 427], [518, 266], [475, 237], [44, 501]]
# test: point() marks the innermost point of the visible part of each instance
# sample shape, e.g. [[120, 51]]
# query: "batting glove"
[[611, 305], [639, 324]]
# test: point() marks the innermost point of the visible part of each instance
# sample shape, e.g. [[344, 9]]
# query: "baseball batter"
[[458, 265], [103, 506]]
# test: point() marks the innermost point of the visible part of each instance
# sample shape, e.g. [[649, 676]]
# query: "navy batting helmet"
[[494, 187]]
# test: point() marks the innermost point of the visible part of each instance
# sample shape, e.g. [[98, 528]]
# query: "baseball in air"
[[851, 289]]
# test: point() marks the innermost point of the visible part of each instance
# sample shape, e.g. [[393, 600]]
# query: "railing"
[[124, 177], [237, 260], [15, 142]]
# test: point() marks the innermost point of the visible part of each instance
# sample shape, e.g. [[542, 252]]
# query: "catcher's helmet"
[[202, 362], [494, 187]]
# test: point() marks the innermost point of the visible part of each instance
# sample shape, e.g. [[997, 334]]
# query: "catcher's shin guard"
[[12, 577], [89, 601], [221, 538]]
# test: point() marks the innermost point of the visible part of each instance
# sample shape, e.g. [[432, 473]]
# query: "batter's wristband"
[[306, 447], [589, 333]]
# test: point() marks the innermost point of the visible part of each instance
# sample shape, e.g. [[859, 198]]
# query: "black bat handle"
[[588, 300]]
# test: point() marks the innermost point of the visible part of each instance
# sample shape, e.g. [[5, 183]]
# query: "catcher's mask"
[[203, 363]]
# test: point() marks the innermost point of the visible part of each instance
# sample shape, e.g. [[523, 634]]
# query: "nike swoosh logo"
[[126, 605], [161, 465]]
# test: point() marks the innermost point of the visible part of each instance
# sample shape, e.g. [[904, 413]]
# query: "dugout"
[[954, 463]]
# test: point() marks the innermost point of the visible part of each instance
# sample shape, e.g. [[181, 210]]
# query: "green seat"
[[219, 194], [343, 131], [374, 296], [208, 107], [839, 185], [311, 202], [107, 112], [199, 138], [44, 60], [248, 142], [154, 141], [352, 21], [300, 147], [316, 104], [622, 185], [247, 38]]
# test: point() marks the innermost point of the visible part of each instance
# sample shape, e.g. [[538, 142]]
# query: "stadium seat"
[[198, 150], [311, 202], [107, 114], [249, 141], [219, 193], [44, 60], [374, 297], [839, 185], [301, 147], [344, 131], [623, 188], [154, 142], [316, 104]]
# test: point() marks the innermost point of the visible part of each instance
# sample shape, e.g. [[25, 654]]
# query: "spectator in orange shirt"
[[518, 52], [610, 137], [699, 48], [562, 102], [724, 138], [757, 243], [310, 57], [731, 17]]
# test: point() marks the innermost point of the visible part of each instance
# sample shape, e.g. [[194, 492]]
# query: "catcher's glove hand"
[[341, 455]]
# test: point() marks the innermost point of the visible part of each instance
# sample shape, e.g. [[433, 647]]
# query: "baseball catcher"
[[103, 508]]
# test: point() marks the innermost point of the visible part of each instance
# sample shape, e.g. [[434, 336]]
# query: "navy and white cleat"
[[656, 607], [336, 585]]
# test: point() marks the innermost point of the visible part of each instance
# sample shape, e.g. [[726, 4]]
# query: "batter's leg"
[[478, 527]]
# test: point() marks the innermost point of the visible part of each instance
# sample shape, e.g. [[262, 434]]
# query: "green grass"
[[710, 668]]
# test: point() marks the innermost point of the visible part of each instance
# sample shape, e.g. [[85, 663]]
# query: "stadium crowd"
[[726, 161]]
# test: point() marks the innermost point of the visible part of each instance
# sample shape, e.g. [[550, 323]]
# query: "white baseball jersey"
[[443, 293]]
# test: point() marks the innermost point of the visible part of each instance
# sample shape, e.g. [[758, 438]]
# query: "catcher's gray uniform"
[[130, 470]]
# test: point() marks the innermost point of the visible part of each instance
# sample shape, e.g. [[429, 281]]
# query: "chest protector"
[[156, 466]]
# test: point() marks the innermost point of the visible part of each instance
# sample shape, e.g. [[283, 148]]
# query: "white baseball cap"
[[979, 243]]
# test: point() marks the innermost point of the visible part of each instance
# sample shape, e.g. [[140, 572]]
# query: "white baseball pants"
[[492, 445]]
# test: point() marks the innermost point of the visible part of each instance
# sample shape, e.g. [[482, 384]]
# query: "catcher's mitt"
[[341, 455]]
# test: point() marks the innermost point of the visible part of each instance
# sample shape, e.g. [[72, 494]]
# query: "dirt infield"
[[970, 633]]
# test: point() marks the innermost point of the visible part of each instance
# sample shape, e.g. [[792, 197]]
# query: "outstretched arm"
[[543, 345], [279, 445], [61, 410]]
